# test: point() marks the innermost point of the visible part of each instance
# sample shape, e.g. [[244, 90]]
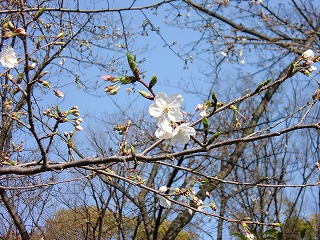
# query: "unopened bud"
[[233, 107], [10, 25], [42, 74], [44, 83], [145, 94], [9, 76], [59, 35], [131, 61], [114, 91], [21, 32], [108, 78], [8, 34], [58, 93], [153, 81], [39, 13], [78, 128], [59, 43], [126, 80]]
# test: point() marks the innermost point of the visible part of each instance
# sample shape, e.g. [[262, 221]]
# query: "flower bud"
[[78, 128], [21, 32], [58, 93], [9, 76], [308, 55], [44, 83], [126, 80], [8, 34], [131, 61], [115, 90], [108, 78], [316, 95], [153, 81], [10, 25], [42, 74], [39, 13], [145, 94], [109, 88], [59, 35], [233, 107]]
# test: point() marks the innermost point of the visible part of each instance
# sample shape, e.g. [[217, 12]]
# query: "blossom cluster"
[[167, 112]]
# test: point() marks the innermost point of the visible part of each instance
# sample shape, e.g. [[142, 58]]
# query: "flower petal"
[[164, 202]]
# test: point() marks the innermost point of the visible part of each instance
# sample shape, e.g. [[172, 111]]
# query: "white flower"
[[182, 134], [223, 53], [243, 61], [163, 201], [164, 132], [311, 69], [201, 106], [8, 58], [308, 55], [166, 109]]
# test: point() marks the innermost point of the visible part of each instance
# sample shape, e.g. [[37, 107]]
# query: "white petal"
[[163, 189], [175, 100], [182, 134], [308, 55], [155, 111], [163, 133], [164, 202]]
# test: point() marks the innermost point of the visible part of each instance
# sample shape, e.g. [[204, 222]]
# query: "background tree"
[[250, 163]]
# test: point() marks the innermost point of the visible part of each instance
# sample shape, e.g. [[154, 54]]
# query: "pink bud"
[[21, 32], [108, 78], [58, 93]]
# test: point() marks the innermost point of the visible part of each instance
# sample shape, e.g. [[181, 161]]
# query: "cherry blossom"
[[164, 132], [163, 201], [182, 134], [203, 108], [166, 109], [8, 58], [308, 55]]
